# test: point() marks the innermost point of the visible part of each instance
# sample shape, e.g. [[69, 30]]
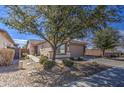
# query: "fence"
[[24, 52]]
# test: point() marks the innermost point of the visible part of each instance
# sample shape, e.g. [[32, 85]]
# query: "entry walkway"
[[33, 58]]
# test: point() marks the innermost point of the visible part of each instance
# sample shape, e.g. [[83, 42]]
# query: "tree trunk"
[[103, 52], [84, 50], [54, 54]]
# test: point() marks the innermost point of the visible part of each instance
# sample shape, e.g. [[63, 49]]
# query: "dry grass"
[[6, 56]]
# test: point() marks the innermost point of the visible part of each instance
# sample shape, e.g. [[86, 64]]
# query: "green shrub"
[[95, 63], [48, 64], [6, 56], [76, 58], [68, 63], [80, 59], [71, 58], [43, 59]]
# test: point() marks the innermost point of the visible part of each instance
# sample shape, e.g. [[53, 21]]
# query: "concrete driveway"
[[113, 77]]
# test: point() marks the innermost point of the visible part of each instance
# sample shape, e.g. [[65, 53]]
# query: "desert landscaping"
[[61, 46]]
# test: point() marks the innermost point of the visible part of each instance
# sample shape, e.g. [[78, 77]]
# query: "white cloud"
[[21, 42], [121, 32]]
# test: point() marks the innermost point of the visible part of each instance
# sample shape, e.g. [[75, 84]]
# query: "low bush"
[[71, 58], [6, 56], [48, 64], [68, 63], [80, 59], [76, 58], [43, 59], [95, 63]]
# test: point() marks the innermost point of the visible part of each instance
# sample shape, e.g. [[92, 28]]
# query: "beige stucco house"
[[74, 48], [32, 46], [6, 40]]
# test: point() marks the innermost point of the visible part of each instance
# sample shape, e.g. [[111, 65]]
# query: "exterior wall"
[[76, 50], [4, 42], [46, 50], [33, 47], [67, 55], [1, 41], [73, 50], [30, 48]]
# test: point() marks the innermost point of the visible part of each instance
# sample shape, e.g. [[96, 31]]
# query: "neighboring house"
[[5, 40], [72, 49], [32, 46]]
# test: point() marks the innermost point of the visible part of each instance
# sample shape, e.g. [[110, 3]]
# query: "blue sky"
[[22, 38]]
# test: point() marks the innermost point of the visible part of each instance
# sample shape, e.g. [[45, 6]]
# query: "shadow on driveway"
[[113, 77]]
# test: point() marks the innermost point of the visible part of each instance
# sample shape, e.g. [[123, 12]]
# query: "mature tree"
[[60, 24], [106, 39]]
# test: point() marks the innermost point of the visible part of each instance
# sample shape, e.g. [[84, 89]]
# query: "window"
[[62, 49]]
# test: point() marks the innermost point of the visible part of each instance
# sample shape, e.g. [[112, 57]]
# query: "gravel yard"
[[60, 75], [33, 75], [12, 76], [14, 79]]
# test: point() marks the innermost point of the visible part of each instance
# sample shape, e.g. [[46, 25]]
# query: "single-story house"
[[32, 46], [6, 40], [74, 48]]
